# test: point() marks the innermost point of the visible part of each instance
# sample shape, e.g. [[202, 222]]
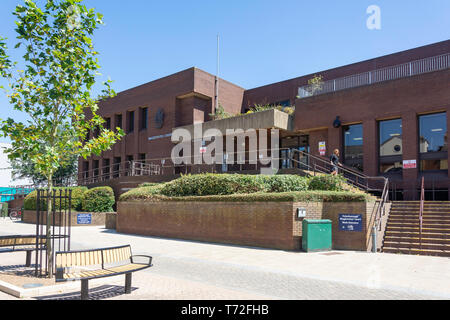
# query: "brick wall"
[[261, 224], [98, 218]]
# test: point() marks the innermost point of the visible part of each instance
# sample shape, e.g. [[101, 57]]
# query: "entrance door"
[[290, 147]]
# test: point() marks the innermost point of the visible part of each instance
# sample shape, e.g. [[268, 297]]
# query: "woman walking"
[[335, 162]]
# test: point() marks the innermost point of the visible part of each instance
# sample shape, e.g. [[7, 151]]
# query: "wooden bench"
[[21, 243], [85, 265]]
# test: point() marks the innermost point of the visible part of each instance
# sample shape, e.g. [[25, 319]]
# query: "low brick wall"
[[97, 218], [262, 224]]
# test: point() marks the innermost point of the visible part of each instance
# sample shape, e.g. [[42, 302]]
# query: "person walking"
[[335, 162]]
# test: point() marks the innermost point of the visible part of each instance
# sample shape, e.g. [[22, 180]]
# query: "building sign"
[[322, 148], [410, 164], [351, 222], [160, 137], [84, 218], [203, 150]]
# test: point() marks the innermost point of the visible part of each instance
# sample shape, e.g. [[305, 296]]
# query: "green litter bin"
[[316, 235]]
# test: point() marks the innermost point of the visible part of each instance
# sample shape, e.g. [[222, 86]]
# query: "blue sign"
[[351, 222], [84, 218]]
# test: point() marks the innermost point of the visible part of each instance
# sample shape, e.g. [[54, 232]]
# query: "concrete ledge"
[[62, 288]]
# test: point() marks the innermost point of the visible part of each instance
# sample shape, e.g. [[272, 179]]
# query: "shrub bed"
[[226, 184], [76, 202], [99, 199], [141, 194], [235, 187]]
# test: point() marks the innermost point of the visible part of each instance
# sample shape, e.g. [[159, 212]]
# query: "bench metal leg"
[[28, 261], [84, 290], [128, 283]]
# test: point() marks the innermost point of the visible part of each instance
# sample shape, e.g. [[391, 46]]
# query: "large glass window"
[[433, 143], [391, 146], [353, 146]]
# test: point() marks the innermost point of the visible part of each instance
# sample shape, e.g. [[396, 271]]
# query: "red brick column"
[[370, 147], [410, 152]]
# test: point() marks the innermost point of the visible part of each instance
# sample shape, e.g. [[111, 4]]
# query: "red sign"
[[322, 148], [203, 150], [410, 164]]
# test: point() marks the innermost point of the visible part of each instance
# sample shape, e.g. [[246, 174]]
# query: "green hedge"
[[327, 183], [99, 199], [226, 184], [235, 187], [76, 202], [297, 196]]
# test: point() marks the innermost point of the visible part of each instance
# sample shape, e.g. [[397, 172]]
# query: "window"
[[353, 146], [142, 156], [144, 118], [433, 143], [130, 121], [96, 132], [96, 164], [116, 167], [118, 121], [391, 146], [86, 169], [108, 123], [106, 168]]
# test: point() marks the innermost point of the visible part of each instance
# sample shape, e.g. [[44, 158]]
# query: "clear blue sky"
[[262, 41]]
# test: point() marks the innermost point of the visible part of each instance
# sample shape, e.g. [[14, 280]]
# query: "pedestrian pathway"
[[199, 271]]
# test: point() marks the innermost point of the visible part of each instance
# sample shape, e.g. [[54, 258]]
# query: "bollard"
[[374, 239]]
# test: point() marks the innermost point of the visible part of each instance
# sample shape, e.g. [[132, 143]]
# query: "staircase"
[[403, 229]]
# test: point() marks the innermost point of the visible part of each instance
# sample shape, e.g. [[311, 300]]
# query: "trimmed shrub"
[[327, 183], [226, 184], [285, 183], [211, 184], [148, 184], [76, 202], [297, 196], [99, 199]]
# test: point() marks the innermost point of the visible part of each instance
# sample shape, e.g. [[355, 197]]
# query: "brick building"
[[388, 116]]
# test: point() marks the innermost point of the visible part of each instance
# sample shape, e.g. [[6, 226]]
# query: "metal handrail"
[[422, 204], [350, 173], [404, 70]]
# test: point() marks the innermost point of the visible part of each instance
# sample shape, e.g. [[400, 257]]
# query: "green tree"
[[26, 169], [54, 89]]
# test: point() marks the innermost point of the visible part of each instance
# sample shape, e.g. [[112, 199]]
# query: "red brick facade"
[[187, 97]]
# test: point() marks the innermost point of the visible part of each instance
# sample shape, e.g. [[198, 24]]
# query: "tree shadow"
[[98, 293]]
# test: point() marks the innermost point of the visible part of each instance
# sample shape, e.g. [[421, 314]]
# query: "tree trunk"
[[49, 229]]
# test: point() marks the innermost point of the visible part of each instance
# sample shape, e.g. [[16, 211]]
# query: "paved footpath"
[[189, 270]]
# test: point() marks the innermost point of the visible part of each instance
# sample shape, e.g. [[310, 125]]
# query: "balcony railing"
[[404, 70]]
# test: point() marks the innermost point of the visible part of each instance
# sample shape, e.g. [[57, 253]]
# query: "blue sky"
[[261, 41]]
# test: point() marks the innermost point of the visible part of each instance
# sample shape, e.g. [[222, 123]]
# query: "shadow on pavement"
[[98, 293]]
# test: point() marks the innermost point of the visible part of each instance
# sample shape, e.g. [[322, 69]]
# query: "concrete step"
[[416, 245], [416, 215], [413, 229], [416, 223], [416, 239], [426, 221], [425, 252], [433, 235]]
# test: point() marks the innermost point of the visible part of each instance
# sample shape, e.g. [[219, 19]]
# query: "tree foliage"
[[54, 89]]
